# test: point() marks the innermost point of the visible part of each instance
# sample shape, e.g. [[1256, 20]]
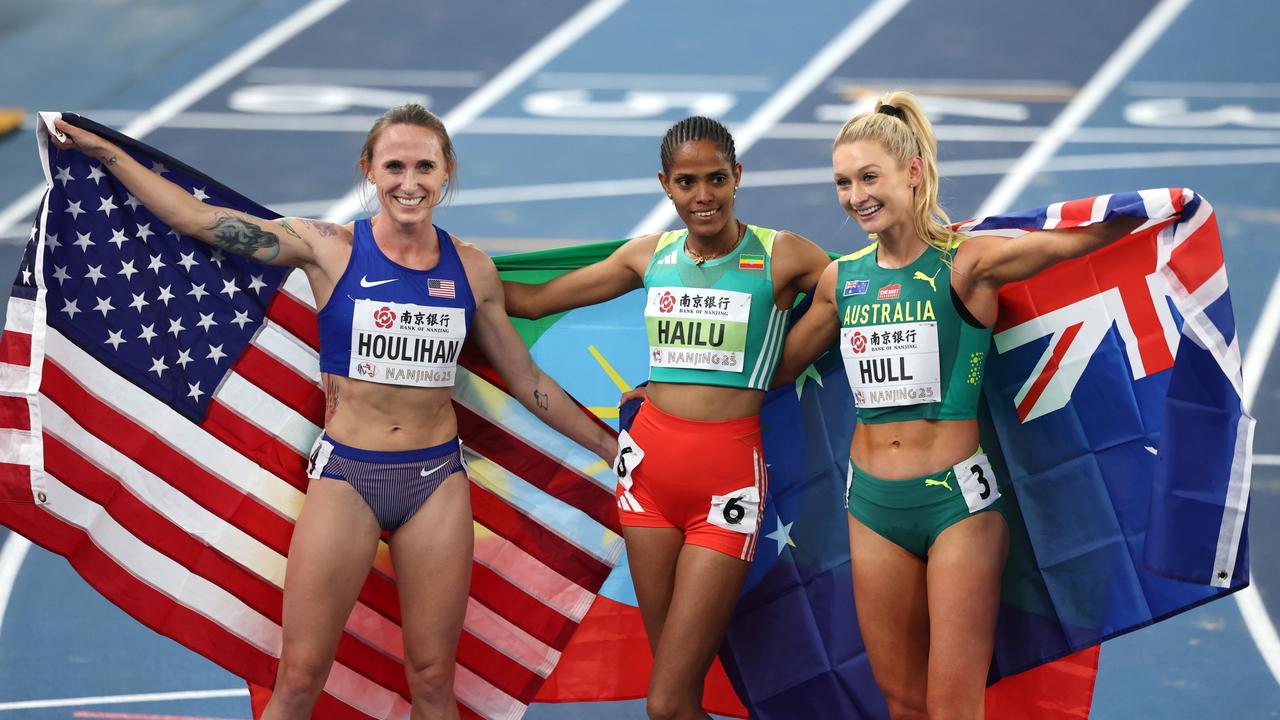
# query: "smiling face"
[[701, 183], [874, 189], [408, 169]]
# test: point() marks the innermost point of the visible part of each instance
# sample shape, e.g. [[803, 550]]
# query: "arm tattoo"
[[284, 223], [242, 237], [542, 399], [323, 228]]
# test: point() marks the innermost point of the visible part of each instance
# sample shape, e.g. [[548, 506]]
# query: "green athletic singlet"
[[908, 352], [716, 323]]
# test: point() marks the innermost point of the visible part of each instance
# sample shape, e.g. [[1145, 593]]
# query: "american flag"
[[158, 398], [440, 288]]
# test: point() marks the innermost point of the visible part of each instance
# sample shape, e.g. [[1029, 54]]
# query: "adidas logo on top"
[[668, 259]]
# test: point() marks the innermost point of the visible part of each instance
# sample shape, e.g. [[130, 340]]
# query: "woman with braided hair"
[[692, 479], [913, 313]]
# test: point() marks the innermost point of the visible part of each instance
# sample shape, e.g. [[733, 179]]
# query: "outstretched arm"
[[617, 274], [525, 380], [997, 261], [281, 242], [813, 333]]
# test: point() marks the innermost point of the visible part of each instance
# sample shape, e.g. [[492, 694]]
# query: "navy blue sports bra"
[[390, 324]]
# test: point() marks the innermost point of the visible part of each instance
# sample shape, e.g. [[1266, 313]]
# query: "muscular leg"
[[965, 564], [652, 554], [893, 614], [707, 584], [432, 555], [330, 554]]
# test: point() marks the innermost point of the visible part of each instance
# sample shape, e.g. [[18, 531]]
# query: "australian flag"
[[1114, 403]]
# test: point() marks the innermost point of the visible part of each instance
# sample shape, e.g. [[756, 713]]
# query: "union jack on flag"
[[158, 400]]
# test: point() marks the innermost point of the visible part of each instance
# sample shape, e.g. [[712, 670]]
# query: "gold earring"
[[670, 197]]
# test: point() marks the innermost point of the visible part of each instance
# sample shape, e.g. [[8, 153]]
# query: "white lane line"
[[1266, 459], [120, 699], [650, 81], [11, 557], [364, 77], [533, 60], [1261, 345], [774, 109], [1078, 110], [193, 91]]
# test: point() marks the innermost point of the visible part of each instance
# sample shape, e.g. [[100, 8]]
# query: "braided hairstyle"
[[694, 129], [417, 115], [899, 124]]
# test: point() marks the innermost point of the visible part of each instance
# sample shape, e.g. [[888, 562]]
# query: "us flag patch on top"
[[440, 288]]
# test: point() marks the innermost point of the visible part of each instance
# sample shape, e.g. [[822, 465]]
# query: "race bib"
[[405, 344], [892, 365], [977, 482], [738, 511], [697, 329], [319, 457]]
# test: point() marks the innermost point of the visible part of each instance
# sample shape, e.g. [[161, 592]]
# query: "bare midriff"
[[705, 402], [374, 416], [911, 448]]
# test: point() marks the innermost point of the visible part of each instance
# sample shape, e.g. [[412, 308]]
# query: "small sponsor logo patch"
[[890, 292], [856, 287]]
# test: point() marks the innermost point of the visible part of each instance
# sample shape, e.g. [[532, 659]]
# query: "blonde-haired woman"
[[913, 313]]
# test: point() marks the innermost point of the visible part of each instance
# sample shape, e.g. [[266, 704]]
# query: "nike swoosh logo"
[[365, 282], [425, 472]]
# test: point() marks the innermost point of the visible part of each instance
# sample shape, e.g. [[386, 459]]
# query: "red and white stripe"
[[187, 526]]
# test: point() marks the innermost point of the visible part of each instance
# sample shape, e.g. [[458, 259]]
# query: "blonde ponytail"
[[900, 126]]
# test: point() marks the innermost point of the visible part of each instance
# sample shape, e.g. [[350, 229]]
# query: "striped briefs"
[[393, 484]]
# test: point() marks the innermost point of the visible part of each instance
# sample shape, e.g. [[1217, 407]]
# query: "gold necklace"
[[699, 258]]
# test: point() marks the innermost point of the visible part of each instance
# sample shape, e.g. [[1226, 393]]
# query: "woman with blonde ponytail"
[[913, 313]]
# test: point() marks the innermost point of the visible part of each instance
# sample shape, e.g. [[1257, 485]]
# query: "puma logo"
[[927, 278], [930, 482]]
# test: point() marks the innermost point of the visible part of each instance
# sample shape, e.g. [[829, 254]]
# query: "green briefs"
[[912, 513]]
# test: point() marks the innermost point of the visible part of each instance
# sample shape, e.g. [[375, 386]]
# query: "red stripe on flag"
[[1198, 257], [161, 459], [282, 383], [536, 468], [1042, 381], [1061, 690], [15, 413], [158, 532], [149, 606], [295, 317], [15, 483], [553, 551], [15, 348], [497, 668], [256, 444], [244, 511], [609, 659], [519, 607], [1076, 212]]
